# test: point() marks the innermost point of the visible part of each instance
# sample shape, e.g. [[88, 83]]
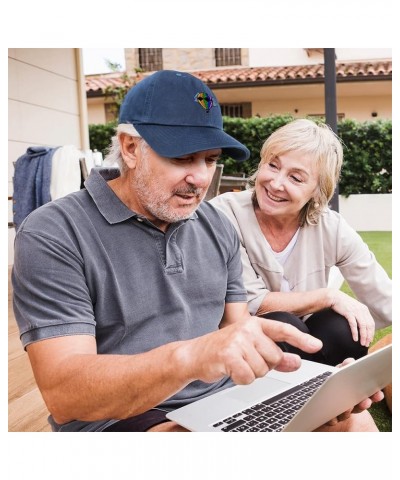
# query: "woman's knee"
[[334, 331], [287, 317], [291, 319]]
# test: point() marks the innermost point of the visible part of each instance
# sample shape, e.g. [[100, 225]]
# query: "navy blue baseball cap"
[[177, 114]]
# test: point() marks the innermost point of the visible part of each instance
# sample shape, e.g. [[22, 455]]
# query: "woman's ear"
[[129, 149]]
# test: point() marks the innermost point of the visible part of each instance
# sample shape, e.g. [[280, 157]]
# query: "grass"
[[380, 243]]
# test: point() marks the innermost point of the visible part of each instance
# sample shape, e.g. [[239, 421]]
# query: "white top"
[[282, 256]]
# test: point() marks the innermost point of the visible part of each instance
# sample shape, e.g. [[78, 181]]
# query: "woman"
[[291, 239]]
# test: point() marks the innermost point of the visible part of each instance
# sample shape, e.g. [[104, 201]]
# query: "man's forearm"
[[91, 387]]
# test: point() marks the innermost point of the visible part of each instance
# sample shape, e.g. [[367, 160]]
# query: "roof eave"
[[295, 81], [95, 93]]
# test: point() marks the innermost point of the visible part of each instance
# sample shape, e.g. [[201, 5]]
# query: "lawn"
[[380, 243]]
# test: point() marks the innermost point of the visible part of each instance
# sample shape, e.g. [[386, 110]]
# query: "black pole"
[[330, 105]]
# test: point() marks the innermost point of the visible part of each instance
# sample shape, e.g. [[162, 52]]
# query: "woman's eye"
[[273, 165], [296, 179]]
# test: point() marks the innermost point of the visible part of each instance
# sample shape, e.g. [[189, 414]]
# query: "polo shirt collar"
[[109, 205]]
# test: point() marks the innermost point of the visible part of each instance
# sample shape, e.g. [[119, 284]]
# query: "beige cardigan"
[[318, 248]]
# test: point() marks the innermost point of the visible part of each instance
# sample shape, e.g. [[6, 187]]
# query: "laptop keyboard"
[[272, 414]]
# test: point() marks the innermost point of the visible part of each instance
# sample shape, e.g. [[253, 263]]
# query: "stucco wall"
[[356, 101], [96, 110], [46, 104]]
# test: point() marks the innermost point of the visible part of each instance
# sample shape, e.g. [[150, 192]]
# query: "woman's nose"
[[277, 182]]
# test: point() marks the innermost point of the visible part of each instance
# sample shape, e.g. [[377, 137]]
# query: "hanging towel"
[[65, 172], [31, 181]]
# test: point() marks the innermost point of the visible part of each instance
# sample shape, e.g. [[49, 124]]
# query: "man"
[[128, 294]]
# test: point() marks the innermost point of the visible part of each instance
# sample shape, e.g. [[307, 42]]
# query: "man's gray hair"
[[114, 151]]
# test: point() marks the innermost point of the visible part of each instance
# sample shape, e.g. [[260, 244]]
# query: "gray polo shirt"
[[87, 264]]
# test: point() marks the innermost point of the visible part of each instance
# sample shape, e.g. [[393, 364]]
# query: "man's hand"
[[363, 405], [244, 351]]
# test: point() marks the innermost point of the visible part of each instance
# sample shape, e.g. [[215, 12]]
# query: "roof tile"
[[242, 76]]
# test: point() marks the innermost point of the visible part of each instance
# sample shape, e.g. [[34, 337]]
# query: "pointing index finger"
[[283, 332]]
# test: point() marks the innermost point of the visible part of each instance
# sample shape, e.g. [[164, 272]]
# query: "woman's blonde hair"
[[325, 149]]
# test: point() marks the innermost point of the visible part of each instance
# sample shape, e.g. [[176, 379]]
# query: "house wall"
[[96, 110], [204, 58], [46, 105], [354, 100], [182, 58]]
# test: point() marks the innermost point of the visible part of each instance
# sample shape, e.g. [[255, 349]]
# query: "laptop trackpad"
[[259, 390]]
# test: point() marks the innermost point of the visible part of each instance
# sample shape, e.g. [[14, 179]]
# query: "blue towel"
[[31, 182]]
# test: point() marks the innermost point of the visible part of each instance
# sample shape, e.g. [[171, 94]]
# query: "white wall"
[[367, 212], [260, 57], [46, 105]]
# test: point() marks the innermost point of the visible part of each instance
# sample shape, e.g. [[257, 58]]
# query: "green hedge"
[[367, 166], [100, 136]]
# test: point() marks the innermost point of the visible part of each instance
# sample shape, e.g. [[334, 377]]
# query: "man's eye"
[[212, 160]]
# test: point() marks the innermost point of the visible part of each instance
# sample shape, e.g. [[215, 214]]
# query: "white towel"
[[65, 172]]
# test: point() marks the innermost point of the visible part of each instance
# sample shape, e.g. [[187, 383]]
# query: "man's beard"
[[156, 203]]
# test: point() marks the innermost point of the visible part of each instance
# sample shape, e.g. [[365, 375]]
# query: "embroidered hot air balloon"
[[204, 100]]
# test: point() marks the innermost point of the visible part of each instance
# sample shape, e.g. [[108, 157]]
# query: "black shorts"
[[139, 423]]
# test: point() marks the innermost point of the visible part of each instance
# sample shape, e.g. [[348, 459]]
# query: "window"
[[227, 56], [150, 59], [242, 110]]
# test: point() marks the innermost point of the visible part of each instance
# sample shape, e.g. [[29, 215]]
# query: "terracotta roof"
[[244, 76]]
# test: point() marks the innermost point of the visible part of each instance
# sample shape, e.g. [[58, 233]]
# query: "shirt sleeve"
[[253, 282], [51, 297], [365, 276], [228, 237], [255, 286]]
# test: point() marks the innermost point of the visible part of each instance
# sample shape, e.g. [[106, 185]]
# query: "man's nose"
[[199, 174]]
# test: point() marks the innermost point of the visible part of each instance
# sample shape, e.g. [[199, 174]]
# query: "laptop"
[[299, 401]]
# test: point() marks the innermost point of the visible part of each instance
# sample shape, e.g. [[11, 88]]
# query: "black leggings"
[[331, 328]]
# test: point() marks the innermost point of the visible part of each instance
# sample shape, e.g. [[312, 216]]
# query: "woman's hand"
[[356, 313]]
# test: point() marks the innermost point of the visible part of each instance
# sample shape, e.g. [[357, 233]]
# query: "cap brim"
[[176, 141]]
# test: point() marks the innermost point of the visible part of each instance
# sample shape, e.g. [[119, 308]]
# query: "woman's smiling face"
[[285, 183]]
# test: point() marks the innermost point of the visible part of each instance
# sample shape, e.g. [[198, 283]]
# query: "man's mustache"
[[189, 190]]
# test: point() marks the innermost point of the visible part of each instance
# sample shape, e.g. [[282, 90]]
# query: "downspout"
[[82, 102]]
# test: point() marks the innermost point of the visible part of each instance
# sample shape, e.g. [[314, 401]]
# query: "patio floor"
[[26, 409]]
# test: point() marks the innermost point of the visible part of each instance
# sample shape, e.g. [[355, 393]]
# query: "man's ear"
[[129, 149]]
